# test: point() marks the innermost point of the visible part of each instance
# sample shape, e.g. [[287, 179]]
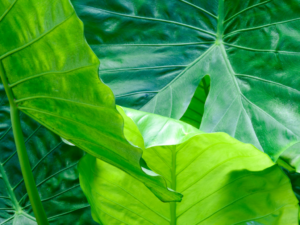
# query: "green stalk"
[[31, 188], [173, 186]]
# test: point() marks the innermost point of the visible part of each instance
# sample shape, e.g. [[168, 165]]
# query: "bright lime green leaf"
[[53, 75], [131, 131], [223, 181], [157, 130], [54, 166], [154, 54]]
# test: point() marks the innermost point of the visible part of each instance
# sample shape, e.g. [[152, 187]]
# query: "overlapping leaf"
[[154, 55], [223, 180], [52, 73], [54, 165]]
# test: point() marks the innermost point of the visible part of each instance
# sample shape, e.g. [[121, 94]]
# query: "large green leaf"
[[53, 76], [54, 165], [223, 180], [154, 55]]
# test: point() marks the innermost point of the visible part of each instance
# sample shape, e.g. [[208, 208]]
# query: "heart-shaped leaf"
[[223, 181], [54, 165], [52, 75], [154, 55]]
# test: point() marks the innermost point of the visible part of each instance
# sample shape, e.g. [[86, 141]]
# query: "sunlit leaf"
[[53, 76], [223, 181]]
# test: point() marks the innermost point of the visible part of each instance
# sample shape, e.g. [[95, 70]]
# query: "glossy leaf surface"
[[223, 181], [54, 165], [154, 55], [53, 76]]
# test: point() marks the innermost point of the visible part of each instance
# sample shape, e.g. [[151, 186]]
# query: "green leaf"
[[53, 76], [54, 165], [295, 180], [223, 180], [154, 55], [194, 113]]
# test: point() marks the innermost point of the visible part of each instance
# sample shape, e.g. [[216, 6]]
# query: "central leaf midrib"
[[173, 186], [219, 41], [220, 27]]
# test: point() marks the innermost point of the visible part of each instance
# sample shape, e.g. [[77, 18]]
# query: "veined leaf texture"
[[223, 181], [52, 75], [154, 54]]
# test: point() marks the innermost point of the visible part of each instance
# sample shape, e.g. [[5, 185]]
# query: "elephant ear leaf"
[[223, 181], [50, 73], [54, 166], [249, 48]]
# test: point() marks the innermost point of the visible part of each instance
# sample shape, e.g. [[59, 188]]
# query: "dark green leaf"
[[154, 54], [194, 113], [223, 181], [53, 75], [54, 165]]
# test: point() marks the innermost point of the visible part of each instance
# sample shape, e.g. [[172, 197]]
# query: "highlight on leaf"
[[51, 74], [219, 177], [217, 66]]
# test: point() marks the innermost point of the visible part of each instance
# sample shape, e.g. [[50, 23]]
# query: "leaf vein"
[[48, 73], [155, 19], [184, 71], [8, 10], [125, 208], [267, 114], [135, 198], [250, 7], [227, 184], [199, 8], [66, 213], [36, 39], [258, 27], [234, 202], [268, 81], [262, 216], [140, 68], [215, 167]]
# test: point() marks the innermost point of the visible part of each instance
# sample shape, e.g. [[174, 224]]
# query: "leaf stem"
[[173, 186], [31, 188]]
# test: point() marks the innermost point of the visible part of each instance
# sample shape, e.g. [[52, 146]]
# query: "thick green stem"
[[173, 186], [31, 188]]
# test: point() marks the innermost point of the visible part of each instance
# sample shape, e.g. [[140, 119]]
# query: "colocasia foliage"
[[210, 106]]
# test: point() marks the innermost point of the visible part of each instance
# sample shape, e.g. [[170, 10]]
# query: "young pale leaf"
[[223, 181], [54, 166], [52, 73], [154, 55]]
